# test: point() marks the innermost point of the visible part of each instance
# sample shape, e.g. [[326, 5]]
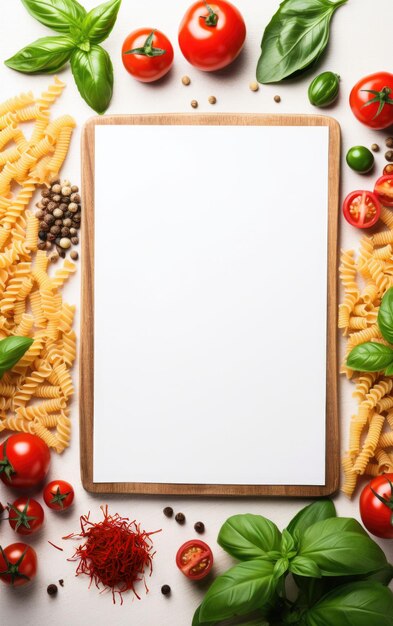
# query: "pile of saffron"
[[115, 554]]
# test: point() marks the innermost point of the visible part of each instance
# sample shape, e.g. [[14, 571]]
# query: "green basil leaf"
[[295, 37], [249, 536], [287, 543], [93, 74], [280, 567], [11, 351], [370, 357], [99, 22], [385, 316], [355, 604], [196, 621], [245, 621], [59, 15], [241, 590], [340, 546], [46, 55], [303, 566], [315, 512]]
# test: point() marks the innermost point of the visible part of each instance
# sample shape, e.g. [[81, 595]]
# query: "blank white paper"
[[210, 304]]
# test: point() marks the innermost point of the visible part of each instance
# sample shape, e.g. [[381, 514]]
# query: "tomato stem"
[[212, 18], [385, 501], [21, 516], [148, 49], [5, 464], [13, 568], [58, 497], [382, 97]]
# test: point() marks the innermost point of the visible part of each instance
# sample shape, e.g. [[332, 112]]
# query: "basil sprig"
[[81, 32], [295, 38], [11, 351], [372, 356], [341, 574]]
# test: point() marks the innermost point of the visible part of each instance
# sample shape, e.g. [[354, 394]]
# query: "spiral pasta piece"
[[18, 102], [48, 97], [47, 391], [25, 325], [63, 433], [17, 424], [61, 150], [44, 434], [370, 444], [29, 387], [350, 477]]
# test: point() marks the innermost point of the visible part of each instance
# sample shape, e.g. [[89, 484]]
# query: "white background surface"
[[360, 44], [200, 280]]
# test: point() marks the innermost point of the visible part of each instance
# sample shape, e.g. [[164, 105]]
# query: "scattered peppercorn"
[[194, 104], [54, 257], [254, 86], [388, 169], [168, 511], [277, 99], [186, 80], [165, 590], [74, 255], [199, 527], [180, 518], [389, 142], [389, 155], [52, 589], [59, 210], [375, 147], [61, 582], [212, 99]]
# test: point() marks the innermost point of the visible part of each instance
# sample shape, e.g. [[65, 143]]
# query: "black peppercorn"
[[55, 230], [42, 235], [50, 237], [49, 219], [199, 527], [51, 206], [59, 222], [180, 518], [41, 245], [165, 590], [75, 197], [63, 206], [76, 218], [389, 155], [74, 241], [65, 231], [168, 511], [75, 225], [45, 201], [60, 251], [44, 227], [52, 589], [389, 142], [68, 214], [45, 193], [61, 582]]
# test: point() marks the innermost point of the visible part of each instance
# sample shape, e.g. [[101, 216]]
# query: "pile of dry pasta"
[[34, 396], [365, 280]]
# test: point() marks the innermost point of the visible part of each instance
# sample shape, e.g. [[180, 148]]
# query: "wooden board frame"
[[87, 310]]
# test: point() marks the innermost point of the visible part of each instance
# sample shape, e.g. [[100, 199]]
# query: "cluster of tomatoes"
[[210, 38], [372, 104], [24, 465]]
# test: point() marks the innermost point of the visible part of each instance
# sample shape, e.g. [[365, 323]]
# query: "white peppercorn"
[[73, 207], [39, 214], [65, 183], [56, 198], [65, 243], [39, 205], [74, 188], [75, 241], [56, 188], [51, 206], [55, 230], [67, 222], [66, 191], [73, 231], [58, 213]]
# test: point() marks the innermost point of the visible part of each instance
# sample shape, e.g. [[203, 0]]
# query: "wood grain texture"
[[87, 316]]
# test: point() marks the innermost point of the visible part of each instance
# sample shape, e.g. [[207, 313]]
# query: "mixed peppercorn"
[[59, 212]]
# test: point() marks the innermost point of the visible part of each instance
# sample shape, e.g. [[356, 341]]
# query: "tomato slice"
[[195, 559], [361, 209], [384, 190]]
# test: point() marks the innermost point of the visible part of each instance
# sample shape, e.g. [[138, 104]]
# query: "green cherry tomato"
[[360, 159], [324, 89]]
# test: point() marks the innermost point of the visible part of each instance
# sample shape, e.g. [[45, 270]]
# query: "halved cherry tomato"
[[361, 209], [211, 34], [24, 461], [18, 564], [376, 506], [195, 559], [26, 516], [58, 495], [147, 54], [384, 190]]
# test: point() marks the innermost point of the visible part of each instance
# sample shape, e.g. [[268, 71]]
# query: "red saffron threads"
[[55, 546], [115, 553]]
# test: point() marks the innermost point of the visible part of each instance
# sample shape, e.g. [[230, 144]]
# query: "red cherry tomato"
[[361, 209], [58, 495], [195, 559], [384, 190], [371, 100], [211, 35], [376, 506], [18, 564], [26, 516], [24, 461], [147, 54]]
